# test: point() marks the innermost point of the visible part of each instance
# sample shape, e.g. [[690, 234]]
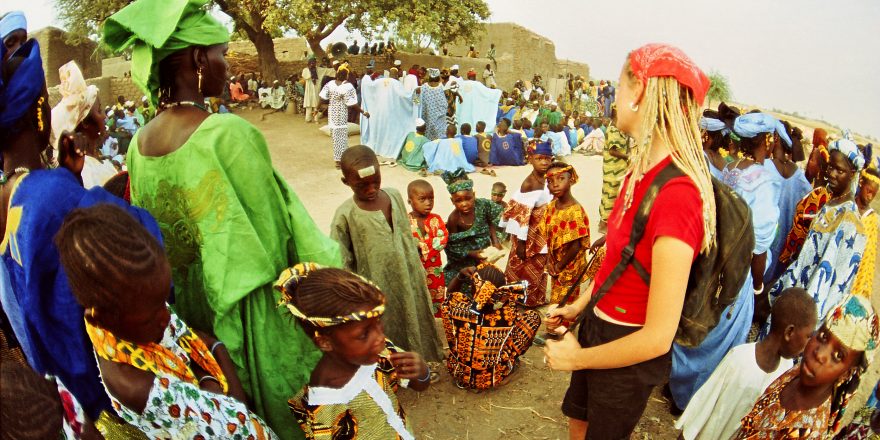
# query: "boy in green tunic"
[[411, 155], [376, 241]]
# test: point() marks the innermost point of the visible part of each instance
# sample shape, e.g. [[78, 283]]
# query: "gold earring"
[[200, 80]]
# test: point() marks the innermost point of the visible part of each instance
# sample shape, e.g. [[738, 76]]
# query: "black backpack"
[[716, 277]]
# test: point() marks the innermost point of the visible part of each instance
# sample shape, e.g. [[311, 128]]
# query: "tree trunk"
[[266, 53], [317, 50]]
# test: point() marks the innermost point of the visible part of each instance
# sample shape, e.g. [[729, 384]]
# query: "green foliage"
[[719, 91], [82, 18]]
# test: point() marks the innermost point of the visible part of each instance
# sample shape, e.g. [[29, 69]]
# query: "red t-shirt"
[[677, 212]]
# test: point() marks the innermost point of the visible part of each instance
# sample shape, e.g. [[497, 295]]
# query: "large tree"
[[443, 21], [719, 90]]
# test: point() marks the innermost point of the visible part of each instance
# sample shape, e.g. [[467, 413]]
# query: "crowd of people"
[[154, 285]]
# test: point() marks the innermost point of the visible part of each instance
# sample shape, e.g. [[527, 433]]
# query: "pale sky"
[[817, 57]]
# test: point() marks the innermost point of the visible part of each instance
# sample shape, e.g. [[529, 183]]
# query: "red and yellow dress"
[[432, 240], [561, 227], [804, 213]]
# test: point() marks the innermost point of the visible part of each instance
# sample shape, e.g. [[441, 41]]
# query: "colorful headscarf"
[[433, 73], [23, 87], [541, 148], [820, 137], [850, 150], [12, 21], [656, 60], [750, 125], [566, 169], [712, 124], [76, 101], [289, 280], [457, 181], [156, 29]]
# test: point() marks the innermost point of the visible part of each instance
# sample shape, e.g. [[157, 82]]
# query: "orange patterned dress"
[[561, 227], [804, 213], [769, 420], [522, 219]]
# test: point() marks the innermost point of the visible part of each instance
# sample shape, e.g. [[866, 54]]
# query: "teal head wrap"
[[157, 28], [457, 181]]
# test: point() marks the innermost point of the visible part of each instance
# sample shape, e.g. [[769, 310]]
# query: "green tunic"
[[411, 155], [613, 170], [388, 256], [231, 224]]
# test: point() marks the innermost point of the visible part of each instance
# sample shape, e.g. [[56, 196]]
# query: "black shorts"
[[612, 401]]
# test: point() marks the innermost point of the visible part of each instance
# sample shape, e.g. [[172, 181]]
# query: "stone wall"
[[56, 52], [286, 49], [520, 54], [116, 67]]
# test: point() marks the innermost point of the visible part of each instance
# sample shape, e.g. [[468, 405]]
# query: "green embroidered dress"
[[231, 224]]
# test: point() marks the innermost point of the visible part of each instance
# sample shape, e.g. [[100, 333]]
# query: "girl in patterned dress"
[[342, 96], [808, 402], [162, 377], [868, 185], [352, 392], [430, 233]]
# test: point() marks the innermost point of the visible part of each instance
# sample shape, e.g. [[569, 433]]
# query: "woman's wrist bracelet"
[[214, 346], [427, 376], [208, 377]]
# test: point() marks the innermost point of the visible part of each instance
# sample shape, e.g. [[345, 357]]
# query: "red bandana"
[[653, 60]]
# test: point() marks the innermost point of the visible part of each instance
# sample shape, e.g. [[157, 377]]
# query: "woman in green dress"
[[231, 223]]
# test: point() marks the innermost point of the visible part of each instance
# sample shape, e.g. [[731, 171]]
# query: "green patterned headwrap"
[[457, 181], [156, 29]]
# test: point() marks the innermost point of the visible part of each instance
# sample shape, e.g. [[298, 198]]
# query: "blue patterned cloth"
[[432, 108], [507, 150]]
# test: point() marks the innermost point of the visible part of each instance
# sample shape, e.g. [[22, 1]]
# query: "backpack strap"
[[640, 221]]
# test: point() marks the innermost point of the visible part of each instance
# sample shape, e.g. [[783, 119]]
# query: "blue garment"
[[469, 145], [507, 150], [792, 190], [446, 155], [508, 114], [529, 132], [433, 108], [691, 367], [586, 128], [572, 137], [127, 123], [42, 310], [559, 143], [18, 94], [391, 109], [715, 172], [750, 125], [479, 103]]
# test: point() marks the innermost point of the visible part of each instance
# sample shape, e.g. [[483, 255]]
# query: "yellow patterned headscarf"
[[854, 323], [566, 169], [289, 280]]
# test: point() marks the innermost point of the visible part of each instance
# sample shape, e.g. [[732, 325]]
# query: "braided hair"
[[328, 292], [30, 407], [105, 252]]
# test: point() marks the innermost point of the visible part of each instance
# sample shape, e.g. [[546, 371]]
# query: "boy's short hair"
[[793, 307], [418, 184], [499, 185], [481, 125], [465, 128]]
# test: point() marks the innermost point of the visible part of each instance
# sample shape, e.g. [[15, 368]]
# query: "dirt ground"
[[528, 406]]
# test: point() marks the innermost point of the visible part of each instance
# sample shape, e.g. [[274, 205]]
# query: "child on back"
[[430, 233], [373, 230], [809, 400], [353, 388], [730, 392], [567, 230]]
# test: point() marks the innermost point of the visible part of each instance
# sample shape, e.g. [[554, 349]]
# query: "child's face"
[[867, 191], [796, 340], [358, 342], [498, 194], [559, 184], [463, 201], [365, 189], [826, 359], [540, 163], [421, 200]]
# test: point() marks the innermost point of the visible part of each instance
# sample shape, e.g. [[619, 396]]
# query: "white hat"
[[454, 67], [110, 113], [143, 99], [397, 62], [420, 122], [128, 104], [553, 103]]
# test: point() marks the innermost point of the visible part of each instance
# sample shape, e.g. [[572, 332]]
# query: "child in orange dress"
[[567, 229], [430, 233]]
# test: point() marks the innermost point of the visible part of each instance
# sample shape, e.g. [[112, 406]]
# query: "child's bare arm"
[[410, 365], [493, 238]]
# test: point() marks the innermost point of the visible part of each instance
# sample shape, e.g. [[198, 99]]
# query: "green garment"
[[231, 224], [554, 117], [543, 116], [157, 28], [148, 113], [388, 255], [139, 117], [486, 213], [613, 170], [411, 155]]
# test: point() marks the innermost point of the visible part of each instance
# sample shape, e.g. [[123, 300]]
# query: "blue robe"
[[391, 109], [529, 132], [469, 145], [47, 319], [792, 191], [507, 150], [446, 155], [691, 367], [432, 109], [479, 103]]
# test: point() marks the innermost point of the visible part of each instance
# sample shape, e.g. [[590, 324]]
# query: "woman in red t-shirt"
[[622, 349]]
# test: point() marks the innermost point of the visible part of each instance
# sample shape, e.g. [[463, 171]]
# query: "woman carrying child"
[[808, 402], [164, 378], [471, 226], [622, 349], [352, 391], [522, 219]]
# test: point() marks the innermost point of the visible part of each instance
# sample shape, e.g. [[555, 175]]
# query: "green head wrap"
[[156, 29], [457, 181]]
